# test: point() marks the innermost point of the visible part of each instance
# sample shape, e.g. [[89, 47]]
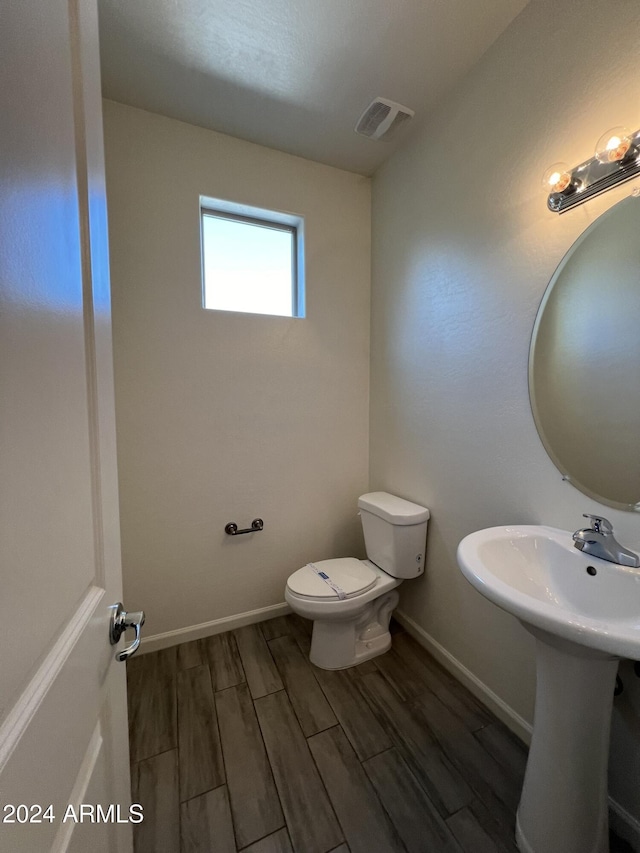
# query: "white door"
[[63, 739]]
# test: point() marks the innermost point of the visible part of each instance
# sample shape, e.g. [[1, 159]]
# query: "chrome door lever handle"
[[120, 621]]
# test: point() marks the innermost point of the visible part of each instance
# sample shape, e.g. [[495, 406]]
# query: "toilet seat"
[[354, 577]]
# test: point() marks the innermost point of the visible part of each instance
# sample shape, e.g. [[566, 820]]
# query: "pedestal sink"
[[585, 615]]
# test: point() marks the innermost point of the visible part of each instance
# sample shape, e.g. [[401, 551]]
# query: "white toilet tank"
[[395, 533]]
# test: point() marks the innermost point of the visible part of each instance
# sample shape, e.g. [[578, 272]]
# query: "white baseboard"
[[624, 824], [207, 629], [518, 725]]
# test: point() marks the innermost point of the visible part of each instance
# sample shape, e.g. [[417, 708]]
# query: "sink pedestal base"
[[564, 804]]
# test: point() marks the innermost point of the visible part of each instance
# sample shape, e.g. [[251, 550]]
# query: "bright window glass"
[[249, 265]]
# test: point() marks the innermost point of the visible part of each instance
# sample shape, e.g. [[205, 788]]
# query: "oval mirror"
[[584, 361]]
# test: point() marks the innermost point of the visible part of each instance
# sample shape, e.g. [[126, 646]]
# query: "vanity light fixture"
[[617, 159]]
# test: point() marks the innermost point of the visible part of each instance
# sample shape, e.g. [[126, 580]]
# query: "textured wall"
[[463, 248], [222, 416]]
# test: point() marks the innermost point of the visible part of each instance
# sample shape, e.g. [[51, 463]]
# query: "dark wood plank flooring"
[[238, 743]]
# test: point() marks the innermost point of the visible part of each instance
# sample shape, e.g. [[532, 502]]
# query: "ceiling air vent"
[[381, 117]]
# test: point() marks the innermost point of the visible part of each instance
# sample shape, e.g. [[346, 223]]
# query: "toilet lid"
[[352, 576]]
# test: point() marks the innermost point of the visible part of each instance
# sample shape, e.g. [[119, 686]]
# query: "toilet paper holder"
[[232, 528]]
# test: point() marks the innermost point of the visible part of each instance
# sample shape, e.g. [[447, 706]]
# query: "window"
[[252, 259]]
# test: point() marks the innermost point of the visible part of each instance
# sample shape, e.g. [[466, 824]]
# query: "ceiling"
[[294, 74]]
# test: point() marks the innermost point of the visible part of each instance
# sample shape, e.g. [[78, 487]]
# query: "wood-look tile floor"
[[239, 743]]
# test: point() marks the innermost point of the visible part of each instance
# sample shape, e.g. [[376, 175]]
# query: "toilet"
[[351, 601]]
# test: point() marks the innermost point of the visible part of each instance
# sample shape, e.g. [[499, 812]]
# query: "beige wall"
[[222, 416], [463, 248]]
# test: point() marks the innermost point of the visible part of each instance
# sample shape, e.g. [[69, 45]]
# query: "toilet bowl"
[[351, 601]]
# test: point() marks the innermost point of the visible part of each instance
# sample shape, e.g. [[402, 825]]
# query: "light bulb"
[[613, 145], [557, 178]]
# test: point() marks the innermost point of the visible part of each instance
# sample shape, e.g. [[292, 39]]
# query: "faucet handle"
[[600, 524]]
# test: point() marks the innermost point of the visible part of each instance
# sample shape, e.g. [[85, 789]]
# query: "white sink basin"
[[537, 574], [585, 614]]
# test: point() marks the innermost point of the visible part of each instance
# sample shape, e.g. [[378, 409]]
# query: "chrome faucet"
[[599, 541]]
